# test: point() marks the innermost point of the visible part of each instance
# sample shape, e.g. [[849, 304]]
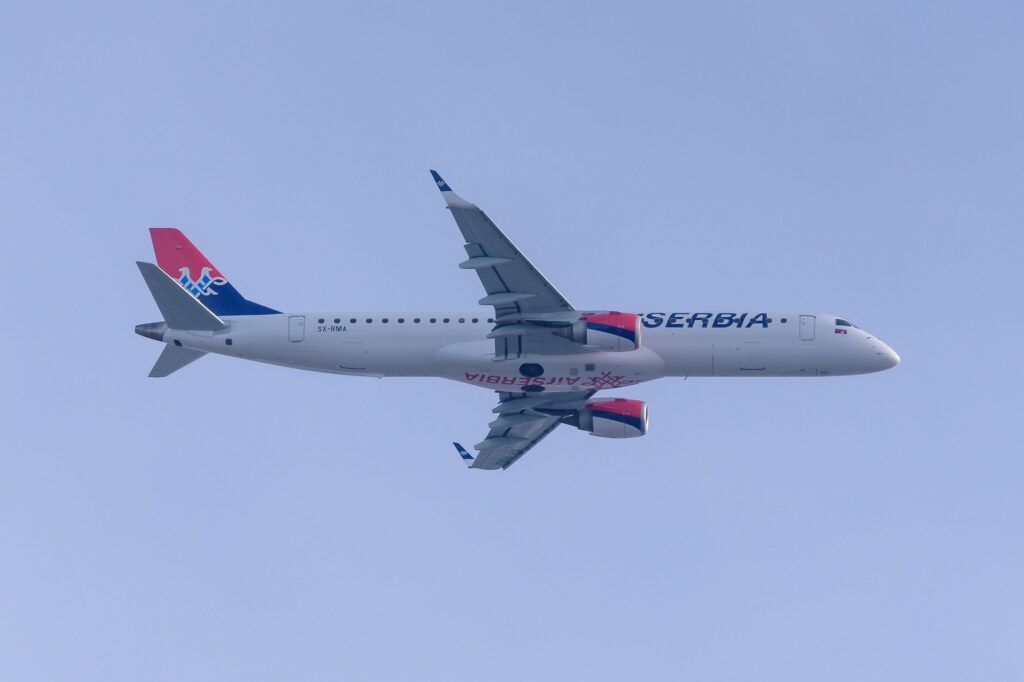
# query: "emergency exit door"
[[296, 327]]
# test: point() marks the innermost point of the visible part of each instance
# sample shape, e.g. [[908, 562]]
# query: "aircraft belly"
[[473, 363], [743, 358]]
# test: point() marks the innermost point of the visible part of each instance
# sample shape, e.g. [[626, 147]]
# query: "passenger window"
[[352, 320], [383, 320], [321, 320], [369, 320], [416, 320], [462, 320], [475, 320], [447, 320], [401, 320], [337, 320], [433, 320]]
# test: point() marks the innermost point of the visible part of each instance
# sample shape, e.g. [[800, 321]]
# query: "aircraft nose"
[[885, 356], [892, 358]]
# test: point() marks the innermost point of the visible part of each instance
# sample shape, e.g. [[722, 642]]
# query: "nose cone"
[[884, 356], [890, 357]]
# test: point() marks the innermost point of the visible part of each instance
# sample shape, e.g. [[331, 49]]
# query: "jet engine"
[[611, 331], [613, 418]]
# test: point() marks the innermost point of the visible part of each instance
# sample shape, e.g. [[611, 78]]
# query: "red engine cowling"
[[614, 418], [611, 331]]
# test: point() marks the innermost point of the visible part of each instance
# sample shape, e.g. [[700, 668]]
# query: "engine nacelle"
[[614, 418], [611, 331]]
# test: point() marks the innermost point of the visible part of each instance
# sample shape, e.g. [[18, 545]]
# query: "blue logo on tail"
[[201, 286], [227, 302]]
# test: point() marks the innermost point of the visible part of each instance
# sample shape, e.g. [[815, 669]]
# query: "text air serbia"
[[545, 359]]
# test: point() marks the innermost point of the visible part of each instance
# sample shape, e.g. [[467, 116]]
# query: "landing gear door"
[[296, 328], [807, 327]]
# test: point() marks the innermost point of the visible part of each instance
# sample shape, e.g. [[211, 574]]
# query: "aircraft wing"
[[523, 420], [513, 285]]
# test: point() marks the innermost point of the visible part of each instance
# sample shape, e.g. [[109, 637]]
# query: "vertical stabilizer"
[[186, 264]]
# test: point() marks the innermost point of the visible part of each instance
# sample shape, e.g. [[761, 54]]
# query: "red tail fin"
[[182, 261]]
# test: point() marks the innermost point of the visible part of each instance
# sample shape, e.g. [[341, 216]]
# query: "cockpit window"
[[843, 323]]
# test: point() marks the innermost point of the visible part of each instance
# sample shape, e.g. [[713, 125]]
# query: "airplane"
[[545, 359]]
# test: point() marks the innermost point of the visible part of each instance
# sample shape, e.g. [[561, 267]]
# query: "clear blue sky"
[[240, 521]]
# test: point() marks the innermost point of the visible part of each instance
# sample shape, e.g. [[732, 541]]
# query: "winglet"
[[466, 457], [441, 184], [450, 197]]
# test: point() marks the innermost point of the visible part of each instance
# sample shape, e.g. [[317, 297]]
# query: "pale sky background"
[[241, 521]]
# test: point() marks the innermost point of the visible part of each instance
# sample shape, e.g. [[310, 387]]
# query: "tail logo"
[[200, 287]]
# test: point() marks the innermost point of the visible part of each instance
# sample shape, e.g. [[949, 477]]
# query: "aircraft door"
[[296, 328], [807, 327]]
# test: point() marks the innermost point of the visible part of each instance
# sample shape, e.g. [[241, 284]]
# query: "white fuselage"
[[455, 346]]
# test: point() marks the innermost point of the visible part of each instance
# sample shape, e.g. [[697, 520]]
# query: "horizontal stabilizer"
[[174, 358], [181, 310]]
